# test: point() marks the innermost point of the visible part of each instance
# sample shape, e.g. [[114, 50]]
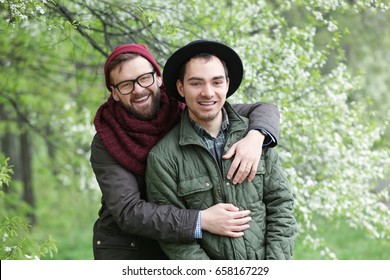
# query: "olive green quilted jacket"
[[182, 172]]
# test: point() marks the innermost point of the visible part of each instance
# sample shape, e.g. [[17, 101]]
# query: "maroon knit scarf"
[[128, 139]]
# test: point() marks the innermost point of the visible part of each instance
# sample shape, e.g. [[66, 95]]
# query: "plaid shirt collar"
[[205, 135], [214, 145]]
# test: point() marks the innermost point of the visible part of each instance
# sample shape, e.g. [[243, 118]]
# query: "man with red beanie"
[[137, 114]]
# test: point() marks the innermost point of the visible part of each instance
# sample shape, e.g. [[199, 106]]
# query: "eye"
[[195, 84], [218, 82], [126, 85], [145, 78]]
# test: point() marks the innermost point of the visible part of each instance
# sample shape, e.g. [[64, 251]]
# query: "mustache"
[[135, 96]]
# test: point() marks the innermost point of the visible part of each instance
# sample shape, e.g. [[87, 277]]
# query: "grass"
[[69, 219], [347, 243]]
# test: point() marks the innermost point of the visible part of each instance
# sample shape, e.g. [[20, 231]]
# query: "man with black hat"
[[186, 169], [137, 114]]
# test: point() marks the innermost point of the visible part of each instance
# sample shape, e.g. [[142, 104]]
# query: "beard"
[[203, 118], [150, 113]]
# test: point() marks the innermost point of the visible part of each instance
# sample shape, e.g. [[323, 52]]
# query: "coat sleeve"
[[162, 189], [281, 224], [134, 215], [261, 116]]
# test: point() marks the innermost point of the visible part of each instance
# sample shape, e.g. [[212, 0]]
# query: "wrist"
[[259, 135], [204, 222]]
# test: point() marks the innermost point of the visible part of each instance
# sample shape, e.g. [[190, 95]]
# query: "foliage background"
[[324, 63]]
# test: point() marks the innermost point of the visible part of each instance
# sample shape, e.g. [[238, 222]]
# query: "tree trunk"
[[26, 162], [9, 146]]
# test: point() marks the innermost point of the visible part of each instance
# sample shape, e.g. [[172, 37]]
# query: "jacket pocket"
[[194, 185], [197, 192], [258, 181], [260, 254], [104, 240], [115, 247], [261, 167]]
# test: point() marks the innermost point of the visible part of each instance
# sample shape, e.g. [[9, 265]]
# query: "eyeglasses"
[[127, 87]]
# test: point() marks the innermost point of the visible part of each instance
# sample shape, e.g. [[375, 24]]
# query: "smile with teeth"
[[141, 99], [207, 103]]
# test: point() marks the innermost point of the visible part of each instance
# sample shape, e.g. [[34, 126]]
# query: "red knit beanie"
[[129, 48]]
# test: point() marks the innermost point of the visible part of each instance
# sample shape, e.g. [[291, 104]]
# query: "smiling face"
[[142, 102], [204, 88]]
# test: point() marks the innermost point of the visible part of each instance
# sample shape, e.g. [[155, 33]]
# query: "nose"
[[137, 88], [208, 91]]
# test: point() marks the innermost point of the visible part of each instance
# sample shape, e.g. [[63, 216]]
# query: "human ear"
[[159, 81], [180, 87], [114, 94]]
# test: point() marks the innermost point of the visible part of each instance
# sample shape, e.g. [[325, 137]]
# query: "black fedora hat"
[[182, 55]]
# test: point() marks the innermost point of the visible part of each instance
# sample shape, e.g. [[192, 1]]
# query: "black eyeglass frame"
[[134, 81]]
